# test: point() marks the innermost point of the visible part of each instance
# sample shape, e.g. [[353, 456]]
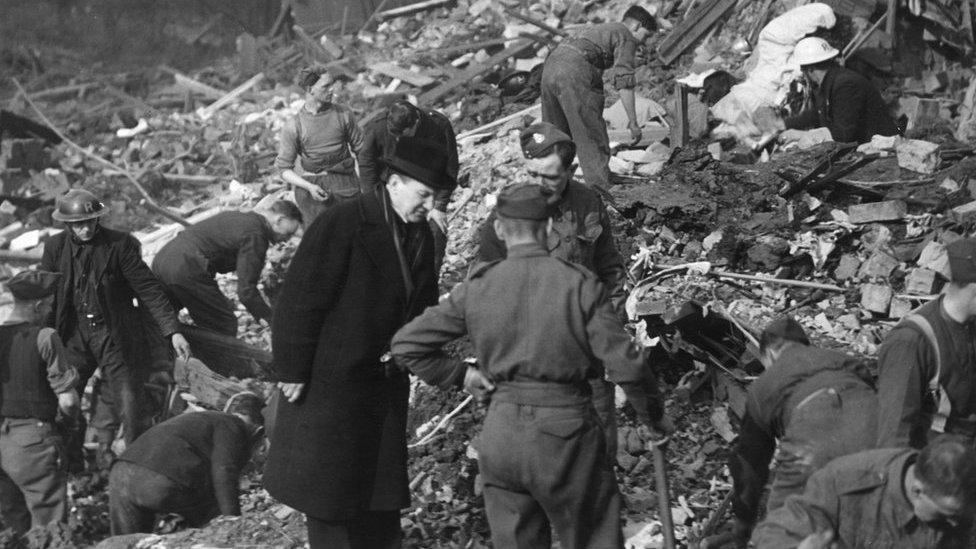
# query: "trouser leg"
[[552, 111], [126, 514], [13, 507], [208, 306], [606, 410], [104, 419], [120, 378], [517, 520], [584, 114], [30, 455], [370, 530]]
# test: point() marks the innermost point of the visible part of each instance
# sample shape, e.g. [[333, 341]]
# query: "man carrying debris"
[[36, 381], [580, 233], [844, 102], [404, 119], [881, 498], [572, 86], [364, 268], [926, 376], [100, 308], [189, 465], [541, 328], [324, 136], [818, 403], [226, 242]]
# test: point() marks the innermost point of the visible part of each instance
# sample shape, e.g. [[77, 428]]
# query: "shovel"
[[663, 493]]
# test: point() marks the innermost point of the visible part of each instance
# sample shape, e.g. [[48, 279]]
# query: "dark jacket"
[[341, 448], [121, 277], [197, 450], [849, 106], [379, 142], [32, 370]]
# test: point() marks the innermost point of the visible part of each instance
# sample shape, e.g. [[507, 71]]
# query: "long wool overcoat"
[[341, 448]]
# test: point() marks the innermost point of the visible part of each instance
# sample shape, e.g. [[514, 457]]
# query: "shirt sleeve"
[[354, 134], [287, 146], [608, 263], [750, 465], [902, 384], [624, 361], [369, 156], [418, 346], [250, 263], [230, 452], [801, 515], [847, 103], [147, 287], [61, 376], [624, 51]]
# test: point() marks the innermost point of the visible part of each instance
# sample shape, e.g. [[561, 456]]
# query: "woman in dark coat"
[[363, 269]]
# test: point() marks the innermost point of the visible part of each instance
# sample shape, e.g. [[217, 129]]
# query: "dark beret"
[[962, 260], [28, 285], [524, 202], [421, 159], [539, 139]]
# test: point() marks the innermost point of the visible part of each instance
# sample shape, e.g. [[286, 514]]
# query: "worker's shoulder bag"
[[941, 400]]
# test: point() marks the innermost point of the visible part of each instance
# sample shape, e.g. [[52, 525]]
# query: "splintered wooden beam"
[[429, 97], [394, 71], [693, 27], [412, 8]]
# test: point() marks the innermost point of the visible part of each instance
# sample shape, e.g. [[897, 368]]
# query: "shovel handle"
[[663, 493]]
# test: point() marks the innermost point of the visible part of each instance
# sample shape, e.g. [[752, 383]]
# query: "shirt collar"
[[533, 249]]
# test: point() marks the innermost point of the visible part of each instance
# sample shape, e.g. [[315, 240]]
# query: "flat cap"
[[27, 285], [421, 159], [962, 260], [524, 202], [539, 139], [785, 329]]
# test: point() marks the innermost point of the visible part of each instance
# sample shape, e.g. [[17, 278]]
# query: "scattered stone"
[[876, 297], [879, 265], [889, 210], [920, 281], [918, 156], [847, 268], [899, 308], [921, 113], [935, 258], [626, 461]]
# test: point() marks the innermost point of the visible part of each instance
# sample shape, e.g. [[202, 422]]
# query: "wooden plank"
[[230, 97], [536, 23], [209, 387], [392, 70], [693, 27], [460, 48], [524, 112], [429, 97], [412, 8], [196, 86], [679, 132]]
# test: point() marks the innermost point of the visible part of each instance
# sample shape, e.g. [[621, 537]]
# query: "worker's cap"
[[784, 329], [30, 285], [539, 139], [962, 260], [524, 202], [642, 16], [421, 159]]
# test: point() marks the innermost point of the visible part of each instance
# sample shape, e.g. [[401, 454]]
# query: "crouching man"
[[189, 465], [35, 381], [541, 328]]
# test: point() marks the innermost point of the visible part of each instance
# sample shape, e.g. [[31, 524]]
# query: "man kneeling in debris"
[[881, 498], [818, 403], [845, 102], [226, 242], [35, 382], [541, 328], [189, 465]]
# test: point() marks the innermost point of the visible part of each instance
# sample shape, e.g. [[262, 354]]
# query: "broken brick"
[[889, 210], [920, 282], [876, 297], [879, 265], [847, 268], [935, 258], [918, 156], [899, 308]]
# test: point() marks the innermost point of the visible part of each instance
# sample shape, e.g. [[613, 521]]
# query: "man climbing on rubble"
[[36, 383], [817, 403], [323, 137], [106, 302], [189, 465], [226, 242], [364, 268], [580, 233], [572, 86], [381, 134], [927, 363], [890, 497], [541, 328], [844, 102]]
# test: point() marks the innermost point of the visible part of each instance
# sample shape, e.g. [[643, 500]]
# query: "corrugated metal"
[[314, 15]]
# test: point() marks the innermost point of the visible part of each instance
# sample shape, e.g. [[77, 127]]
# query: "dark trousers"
[[33, 483], [339, 186], [606, 409], [547, 466], [370, 530], [137, 494], [830, 423], [183, 271], [90, 347], [572, 100]]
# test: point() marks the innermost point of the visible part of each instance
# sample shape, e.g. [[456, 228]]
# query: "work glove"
[[478, 384]]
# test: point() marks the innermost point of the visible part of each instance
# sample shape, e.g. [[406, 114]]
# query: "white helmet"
[[812, 50]]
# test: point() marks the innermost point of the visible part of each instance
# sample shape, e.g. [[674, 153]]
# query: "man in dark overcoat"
[[363, 269], [107, 302]]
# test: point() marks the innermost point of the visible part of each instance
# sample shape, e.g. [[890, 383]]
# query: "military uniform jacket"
[[534, 318], [341, 448], [861, 498], [580, 234], [127, 290]]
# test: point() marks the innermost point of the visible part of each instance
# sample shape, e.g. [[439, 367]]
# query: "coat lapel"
[[376, 238]]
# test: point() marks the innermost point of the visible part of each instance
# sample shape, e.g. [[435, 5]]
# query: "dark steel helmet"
[[513, 83], [79, 205]]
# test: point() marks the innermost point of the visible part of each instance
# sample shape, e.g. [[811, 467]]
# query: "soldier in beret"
[[580, 233], [927, 363], [542, 328], [36, 382], [572, 86], [364, 267]]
